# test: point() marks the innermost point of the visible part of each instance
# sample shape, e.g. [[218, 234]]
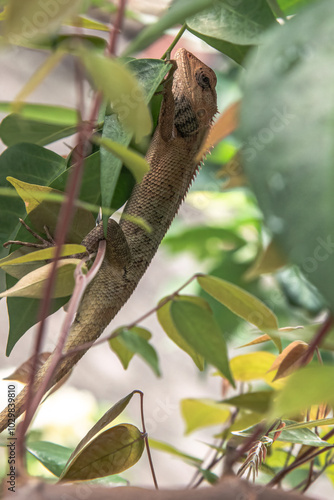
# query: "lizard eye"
[[203, 80]]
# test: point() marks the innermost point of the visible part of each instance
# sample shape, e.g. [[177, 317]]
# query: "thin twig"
[[317, 339], [167, 299], [141, 394], [174, 42]]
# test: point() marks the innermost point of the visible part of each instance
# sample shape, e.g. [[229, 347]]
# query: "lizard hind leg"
[[118, 252]]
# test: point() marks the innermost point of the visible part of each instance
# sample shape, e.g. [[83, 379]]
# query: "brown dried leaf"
[[224, 126], [23, 372], [269, 260], [289, 359]]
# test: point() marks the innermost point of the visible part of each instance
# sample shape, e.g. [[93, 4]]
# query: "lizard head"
[[194, 94]]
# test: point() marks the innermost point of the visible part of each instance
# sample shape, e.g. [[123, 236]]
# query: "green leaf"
[[14, 129], [253, 366], [166, 321], [167, 448], [23, 314], [309, 386], [297, 436], [30, 163], [120, 348], [308, 423], [198, 413], [282, 175], [176, 14], [259, 401], [121, 88], [111, 452], [242, 303], [53, 115], [149, 73], [53, 456], [200, 330], [202, 241], [232, 27], [139, 345], [33, 284], [32, 19], [135, 162]]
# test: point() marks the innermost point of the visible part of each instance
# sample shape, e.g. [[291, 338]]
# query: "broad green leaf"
[[198, 413], [283, 176], [45, 254], [149, 73], [106, 419], [111, 452], [300, 436], [137, 344], [30, 163], [44, 212], [23, 314], [134, 161], [202, 241], [14, 129], [53, 115], [232, 27], [33, 18], [53, 456], [242, 303], [299, 292], [90, 185], [200, 330], [297, 436], [167, 448], [309, 386], [259, 401], [122, 350], [121, 88], [166, 321], [33, 284], [176, 14]]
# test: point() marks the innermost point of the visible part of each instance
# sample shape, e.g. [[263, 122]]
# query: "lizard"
[[186, 114]]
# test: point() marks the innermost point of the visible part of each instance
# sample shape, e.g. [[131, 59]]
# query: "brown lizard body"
[[186, 114]]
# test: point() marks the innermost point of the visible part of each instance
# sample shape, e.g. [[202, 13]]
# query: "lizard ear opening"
[[201, 113]]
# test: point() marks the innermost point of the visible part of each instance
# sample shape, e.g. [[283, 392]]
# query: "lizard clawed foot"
[[45, 243]]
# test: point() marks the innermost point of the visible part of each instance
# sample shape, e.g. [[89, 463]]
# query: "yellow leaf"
[[198, 413]]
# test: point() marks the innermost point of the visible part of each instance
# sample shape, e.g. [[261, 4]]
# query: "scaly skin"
[[188, 107]]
